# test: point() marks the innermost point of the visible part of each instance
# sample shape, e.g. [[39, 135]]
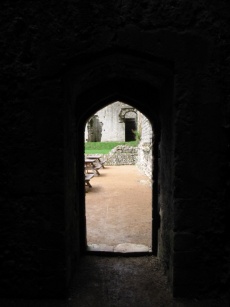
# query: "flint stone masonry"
[[145, 147], [121, 155]]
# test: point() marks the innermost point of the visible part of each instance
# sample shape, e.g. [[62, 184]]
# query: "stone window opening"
[[130, 128], [94, 129]]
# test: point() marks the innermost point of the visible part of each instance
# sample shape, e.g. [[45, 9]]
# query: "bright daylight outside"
[[118, 180]]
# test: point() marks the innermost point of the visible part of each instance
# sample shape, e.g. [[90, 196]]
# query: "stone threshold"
[[123, 248]]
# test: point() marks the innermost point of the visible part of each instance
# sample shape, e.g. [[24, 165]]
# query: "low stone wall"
[[145, 158], [121, 155], [125, 155]]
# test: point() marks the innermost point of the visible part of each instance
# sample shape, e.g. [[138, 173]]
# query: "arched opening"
[[152, 95], [154, 120], [118, 198], [130, 126]]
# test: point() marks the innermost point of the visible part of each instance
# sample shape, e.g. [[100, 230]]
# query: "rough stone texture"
[[145, 147], [93, 129], [122, 155], [112, 127], [63, 61]]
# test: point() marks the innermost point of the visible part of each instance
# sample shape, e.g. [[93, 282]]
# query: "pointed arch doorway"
[[102, 97], [118, 205], [146, 84]]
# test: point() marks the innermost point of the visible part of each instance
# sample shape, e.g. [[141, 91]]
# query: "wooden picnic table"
[[90, 166], [87, 179], [98, 159]]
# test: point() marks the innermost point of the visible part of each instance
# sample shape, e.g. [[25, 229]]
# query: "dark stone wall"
[[53, 55], [32, 163]]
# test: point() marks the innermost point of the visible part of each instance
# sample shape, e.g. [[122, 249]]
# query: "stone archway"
[[154, 121], [152, 95]]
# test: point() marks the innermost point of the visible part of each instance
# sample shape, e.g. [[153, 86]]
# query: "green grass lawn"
[[104, 147]]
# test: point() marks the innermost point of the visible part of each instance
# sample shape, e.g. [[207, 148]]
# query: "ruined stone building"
[[121, 122], [62, 62], [115, 122]]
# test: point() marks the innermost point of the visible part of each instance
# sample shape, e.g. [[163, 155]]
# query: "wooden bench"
[[93, 169], [91, 165], [87, 179], [102, 163], [98, 161]]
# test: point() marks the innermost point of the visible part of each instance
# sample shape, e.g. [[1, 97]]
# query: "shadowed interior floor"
[[119, 210], [118, 281]]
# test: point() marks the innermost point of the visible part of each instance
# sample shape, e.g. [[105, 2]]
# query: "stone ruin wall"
[[93, 129], [141, 155], [112, 129], [145, 156], [121, 155]]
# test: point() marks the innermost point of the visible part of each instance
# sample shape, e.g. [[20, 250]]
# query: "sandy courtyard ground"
[[119, 207]]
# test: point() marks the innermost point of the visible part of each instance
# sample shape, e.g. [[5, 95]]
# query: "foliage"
[[137, 135]]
